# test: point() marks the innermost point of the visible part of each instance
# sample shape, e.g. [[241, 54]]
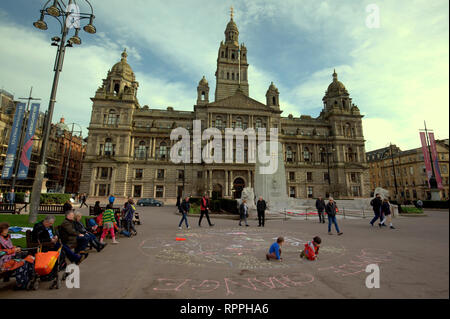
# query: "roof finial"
[[334, 75], [231, 12], [124, 54]]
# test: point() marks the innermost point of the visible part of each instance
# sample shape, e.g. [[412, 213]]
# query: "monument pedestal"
[[435, 194]]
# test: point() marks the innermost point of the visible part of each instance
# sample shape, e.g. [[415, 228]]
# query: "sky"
[[397, 73]]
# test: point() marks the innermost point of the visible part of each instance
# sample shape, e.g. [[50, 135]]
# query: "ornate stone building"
[[410, 173], [129, 145]]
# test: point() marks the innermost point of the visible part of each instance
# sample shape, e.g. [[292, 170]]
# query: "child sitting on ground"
[[275, 250], [311, 249]]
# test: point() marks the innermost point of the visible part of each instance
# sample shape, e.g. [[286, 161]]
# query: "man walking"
[[331, 212], [376, 204], [184, 209], [204, 204], [26, 199], [320, 205], [83, 200], [261, 208]]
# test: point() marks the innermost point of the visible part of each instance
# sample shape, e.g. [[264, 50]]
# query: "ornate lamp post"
[[69, 17]]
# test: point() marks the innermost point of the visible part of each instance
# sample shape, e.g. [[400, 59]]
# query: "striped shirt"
[[108, 216]]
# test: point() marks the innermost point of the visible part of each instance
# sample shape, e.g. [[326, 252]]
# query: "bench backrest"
[[7, 208]]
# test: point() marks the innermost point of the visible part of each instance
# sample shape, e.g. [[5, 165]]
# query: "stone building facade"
[[129, 145], [410, 173], [57, 153]]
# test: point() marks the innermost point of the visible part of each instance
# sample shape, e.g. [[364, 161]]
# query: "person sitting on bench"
[[93, 241], [44, 233], [70, 236]]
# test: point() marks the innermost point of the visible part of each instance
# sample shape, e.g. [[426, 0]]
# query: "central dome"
[[336, 88], [123, 68]]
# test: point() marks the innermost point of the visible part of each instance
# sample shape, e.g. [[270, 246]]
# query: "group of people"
[[10, 198], [184, 207], [310, 251], [382, 210]]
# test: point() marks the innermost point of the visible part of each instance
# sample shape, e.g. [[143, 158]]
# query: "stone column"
[[231, 183], [299, 154], [92, 183], [153, 147], [249, 173], [226, 183]]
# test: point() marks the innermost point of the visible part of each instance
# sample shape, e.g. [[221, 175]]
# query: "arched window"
[[232, 76], [258, 123], [306, 154], [238, 122], [228, 75], [274, 100], [222, 54], [232, 56], [162, 150], [109, 148], [141, 150], [289, 155], [203, 95], [351, 156], [218, 122], [112, 117]]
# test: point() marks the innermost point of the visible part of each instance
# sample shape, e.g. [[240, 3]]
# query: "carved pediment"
[[241, 101]]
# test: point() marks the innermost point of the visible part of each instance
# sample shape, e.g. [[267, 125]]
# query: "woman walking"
[[108, 224], [243, 212], [386, 212]]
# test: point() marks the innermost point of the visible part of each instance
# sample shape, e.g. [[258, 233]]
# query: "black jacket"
[[242, 210], [320, 205], [376, 204], [40, 233], [331, 209], [261, 205], [184, 207], [67, 207], [386, 208], [79, 227]]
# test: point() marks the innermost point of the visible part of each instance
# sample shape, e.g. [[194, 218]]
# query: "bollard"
[[364, 216], [344, 212], [306, 213]]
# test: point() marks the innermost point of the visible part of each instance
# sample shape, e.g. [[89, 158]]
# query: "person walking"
[[376, 205], [320, 205], [184, 210], [83, 200], [204, 205], [331, 209], [108, 224], [11, 197], [261, 207], [1, 197], [111, 199], [130, 209], [243, 212], [26, 199], [386, 210]]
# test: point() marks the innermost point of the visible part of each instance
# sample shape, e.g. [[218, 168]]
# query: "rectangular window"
[[159, 191], [444, 169], [103, 189], [353, 177], [310, 192], [199, 174], [104, 172], [326, 177], [160, 174], [309, 177], [292, 176], [181, 174], [292, 191], [139, 173], [137, 192], [356, 191]]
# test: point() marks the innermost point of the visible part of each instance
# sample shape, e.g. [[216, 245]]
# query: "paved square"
[[228, 261]]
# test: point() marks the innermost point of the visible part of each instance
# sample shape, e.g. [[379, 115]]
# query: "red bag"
[[44, 262]]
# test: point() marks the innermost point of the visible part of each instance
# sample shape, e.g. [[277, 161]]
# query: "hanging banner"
[[426, 156], [14, 138], [434, 155], [28, 142]]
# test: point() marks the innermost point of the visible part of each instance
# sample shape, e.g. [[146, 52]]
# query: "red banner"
[[434, 155], [426, 156]]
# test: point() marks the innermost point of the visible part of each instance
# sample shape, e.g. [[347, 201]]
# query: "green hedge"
[[411, 210], [53, 198], [229, 205], [194, 209], [19, 197]]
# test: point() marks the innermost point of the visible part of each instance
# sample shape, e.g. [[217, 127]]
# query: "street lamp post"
[[329, 152], [68, 17]]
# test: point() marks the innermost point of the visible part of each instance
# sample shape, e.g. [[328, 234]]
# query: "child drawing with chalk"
[[275, 250], [311, 249]]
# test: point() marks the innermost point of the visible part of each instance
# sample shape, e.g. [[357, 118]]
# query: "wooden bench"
[[8, 208], [51, 209], [91, 210]]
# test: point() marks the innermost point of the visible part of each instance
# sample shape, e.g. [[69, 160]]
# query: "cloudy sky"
[[397, 74]]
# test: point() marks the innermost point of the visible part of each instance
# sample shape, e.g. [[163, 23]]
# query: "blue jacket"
[[275, 248], [11, 197], [129, 211]]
